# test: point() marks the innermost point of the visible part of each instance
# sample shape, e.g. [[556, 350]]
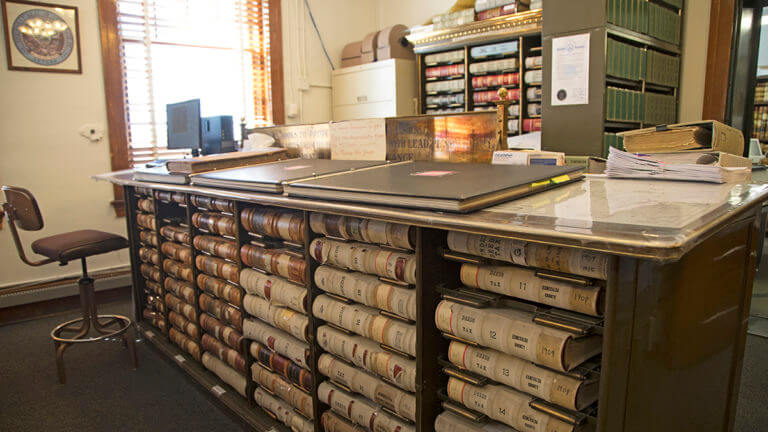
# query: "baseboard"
[[67, 289]]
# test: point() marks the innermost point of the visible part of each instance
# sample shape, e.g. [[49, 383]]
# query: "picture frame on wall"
[[41, 37]]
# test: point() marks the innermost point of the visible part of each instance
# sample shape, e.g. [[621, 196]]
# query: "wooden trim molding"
[[113, 91], [721, 28], [276, 53]]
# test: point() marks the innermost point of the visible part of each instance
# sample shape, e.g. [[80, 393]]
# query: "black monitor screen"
[[183, 124]]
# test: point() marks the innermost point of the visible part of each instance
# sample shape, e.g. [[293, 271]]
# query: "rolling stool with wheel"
[[22, 211]]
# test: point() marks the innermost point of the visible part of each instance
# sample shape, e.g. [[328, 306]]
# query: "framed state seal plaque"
[[41, 37]]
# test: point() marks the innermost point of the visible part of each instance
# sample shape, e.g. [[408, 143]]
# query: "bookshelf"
[[458, 260], [485, 56], [634, 71]]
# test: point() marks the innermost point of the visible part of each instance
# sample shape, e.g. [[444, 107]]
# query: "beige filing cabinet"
[[384, 88]]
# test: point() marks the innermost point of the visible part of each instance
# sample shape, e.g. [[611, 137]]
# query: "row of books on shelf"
[[624, 105], [635, 63], [761, 92], [643, 16], [760, 122]]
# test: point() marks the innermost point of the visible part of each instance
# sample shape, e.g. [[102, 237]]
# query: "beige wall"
[[408, 12], [40, 149], [307, 72], [694, 64]]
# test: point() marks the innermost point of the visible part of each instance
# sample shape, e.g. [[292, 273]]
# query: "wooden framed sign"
[[41, 37]]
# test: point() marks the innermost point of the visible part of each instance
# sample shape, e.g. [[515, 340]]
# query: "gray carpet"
[[102, 393]]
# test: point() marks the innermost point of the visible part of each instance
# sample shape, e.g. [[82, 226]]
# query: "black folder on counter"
[[458, 187], [271, 177], [159, 174]]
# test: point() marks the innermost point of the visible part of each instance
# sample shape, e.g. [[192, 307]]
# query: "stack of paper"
[[628, 165]]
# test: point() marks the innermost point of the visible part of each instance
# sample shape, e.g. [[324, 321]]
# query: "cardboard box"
[[351, 54], [681, 137], [368, 50], [391, 43]]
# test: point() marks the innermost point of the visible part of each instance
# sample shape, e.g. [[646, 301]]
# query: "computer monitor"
[[184, 125]]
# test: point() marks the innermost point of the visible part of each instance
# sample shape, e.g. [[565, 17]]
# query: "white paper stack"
[[628, 165]]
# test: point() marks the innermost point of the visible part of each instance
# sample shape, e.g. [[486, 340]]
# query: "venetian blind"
[[176, 50]]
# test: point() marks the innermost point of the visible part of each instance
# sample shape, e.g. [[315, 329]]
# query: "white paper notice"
[[570, 70], [359, 140]]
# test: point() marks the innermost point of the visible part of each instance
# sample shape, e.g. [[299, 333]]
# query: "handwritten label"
[[218, 390], [179, 358], [359, 140]]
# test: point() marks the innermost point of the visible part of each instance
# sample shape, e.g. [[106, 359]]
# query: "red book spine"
[[492, 95], [495, 80], [496, 12], [532, 125], [447, 70]]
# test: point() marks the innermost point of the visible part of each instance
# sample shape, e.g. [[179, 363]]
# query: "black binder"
[[271, 177], [458, 187]]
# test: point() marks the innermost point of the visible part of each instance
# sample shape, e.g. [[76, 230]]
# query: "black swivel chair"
[[22, 211]]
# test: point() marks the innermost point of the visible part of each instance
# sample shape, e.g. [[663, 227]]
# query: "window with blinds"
[[217, 51]]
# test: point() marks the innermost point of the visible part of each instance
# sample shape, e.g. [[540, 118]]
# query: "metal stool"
[[23, 212]]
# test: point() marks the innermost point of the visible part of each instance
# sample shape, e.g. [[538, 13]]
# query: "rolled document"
[[155, 318], [218, 267], [275, 262], [503, 404], [331, 422], [223, 352], [148, 237], [283, 366], [365, 230], [368, 290], [282, 411], [366, 321], [561, 259], [178, 270], [275, 289], [279, 386], [450, 422], [216, 223], [369, 355], [190, 328], [365, 258], [155, 287], [146, 204], [185, 343], [178, 252], [151, 272], [221, 289], [513, 332], [217, 246], [149, 255], [230, 376], [179, 306], [169, 196], [181, 289], [272, 222], [146, 220], [278, 341], [523, 283], [222, 332], [360, 410], [278, 316], [212, 203], [524, 376], [222, 311], [176, 233], [359, 381]]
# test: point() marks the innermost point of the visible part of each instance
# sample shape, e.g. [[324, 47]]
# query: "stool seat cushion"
[[78, 244]]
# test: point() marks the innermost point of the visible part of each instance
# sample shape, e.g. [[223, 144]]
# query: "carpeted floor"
[[103, 394]]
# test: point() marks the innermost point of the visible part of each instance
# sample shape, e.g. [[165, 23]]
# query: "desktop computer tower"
[[217, 135]]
